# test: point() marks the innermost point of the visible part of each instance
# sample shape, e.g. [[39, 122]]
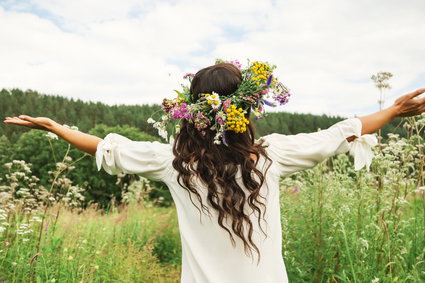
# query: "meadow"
[[339, 225]]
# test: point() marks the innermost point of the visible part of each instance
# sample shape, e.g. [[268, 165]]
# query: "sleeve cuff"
[[105, 153], [361, 149]]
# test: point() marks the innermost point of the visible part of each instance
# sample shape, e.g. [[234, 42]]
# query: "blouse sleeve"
[[118, 154], [296, 152]]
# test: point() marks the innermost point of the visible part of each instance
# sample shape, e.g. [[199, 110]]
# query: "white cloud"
[[135, 51]]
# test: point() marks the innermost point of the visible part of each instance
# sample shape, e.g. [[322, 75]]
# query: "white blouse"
[[208, 254]]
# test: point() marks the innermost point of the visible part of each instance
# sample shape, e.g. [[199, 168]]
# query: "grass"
[[96, 247], [339, 225]]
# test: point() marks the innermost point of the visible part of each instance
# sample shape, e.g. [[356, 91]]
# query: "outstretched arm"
[[80, 140], [404, 106]]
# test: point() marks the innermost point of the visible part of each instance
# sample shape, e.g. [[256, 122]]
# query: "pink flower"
[[188, 75], [180, 111], [220, 120], [264, 91], [226, 104]]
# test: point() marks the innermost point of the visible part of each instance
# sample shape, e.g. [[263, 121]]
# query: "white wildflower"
[[35, 219], [420, 190], [213, 100], [163, 133], [52, 136], [151, 121], [376, 280]]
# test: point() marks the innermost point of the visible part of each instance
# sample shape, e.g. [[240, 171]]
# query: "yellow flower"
[[236, 120]]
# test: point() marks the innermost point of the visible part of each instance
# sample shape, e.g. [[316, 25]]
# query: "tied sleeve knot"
[[361, 149], [105, 152]]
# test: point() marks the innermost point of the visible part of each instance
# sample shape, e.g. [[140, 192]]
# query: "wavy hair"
[[217, 166]]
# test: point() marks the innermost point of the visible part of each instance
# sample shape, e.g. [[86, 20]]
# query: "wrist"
[[393, 111], [53, 127]]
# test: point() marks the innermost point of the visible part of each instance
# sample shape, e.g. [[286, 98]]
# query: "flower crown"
[[220, 113]]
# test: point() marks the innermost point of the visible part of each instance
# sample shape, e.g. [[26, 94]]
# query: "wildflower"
[[235, 63], [163, 134], [420, 190], [180, 111], [261, 72], [213, 100], [14, 263], [70, 257], [220, 118], [217, 138], [167, 105], [35, 219], [201, 122], [51, 136], [96, 267], [151, 121], [188, 75], [268, 103], [226, 104], [269, 80], [236, 120]]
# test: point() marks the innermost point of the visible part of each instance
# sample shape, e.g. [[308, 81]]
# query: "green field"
[[339, 225]]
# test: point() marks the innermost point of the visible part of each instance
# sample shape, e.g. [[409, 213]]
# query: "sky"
[[136, 51]]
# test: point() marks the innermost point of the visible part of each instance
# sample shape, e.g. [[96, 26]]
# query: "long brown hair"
[[217, 166]]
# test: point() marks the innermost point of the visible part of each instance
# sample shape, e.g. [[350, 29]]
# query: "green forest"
[[17, 143]]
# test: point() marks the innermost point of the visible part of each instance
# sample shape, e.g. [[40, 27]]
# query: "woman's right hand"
[[80, 140], [40, 123]]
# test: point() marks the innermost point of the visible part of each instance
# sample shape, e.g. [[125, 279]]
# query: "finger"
[[416, 92], [26, 118]]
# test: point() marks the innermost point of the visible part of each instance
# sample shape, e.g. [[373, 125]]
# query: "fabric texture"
[[208, 255]]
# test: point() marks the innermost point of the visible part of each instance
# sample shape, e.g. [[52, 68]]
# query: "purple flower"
[[268, 103], [269, 80], [295, 190]]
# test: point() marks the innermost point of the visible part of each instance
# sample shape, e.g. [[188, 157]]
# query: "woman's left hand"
[[409, 105]]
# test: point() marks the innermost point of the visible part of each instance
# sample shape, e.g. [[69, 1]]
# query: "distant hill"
[[86, 115]]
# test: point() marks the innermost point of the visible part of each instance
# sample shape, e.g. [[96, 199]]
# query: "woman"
[[225, 185]]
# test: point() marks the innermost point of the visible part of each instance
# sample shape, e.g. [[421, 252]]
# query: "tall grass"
[[339, 225], [93, 247]]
